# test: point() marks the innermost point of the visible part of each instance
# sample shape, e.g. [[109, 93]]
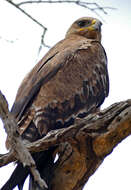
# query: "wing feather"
[[79, 70]]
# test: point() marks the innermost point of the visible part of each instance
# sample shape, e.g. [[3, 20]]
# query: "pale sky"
[[16, 59]]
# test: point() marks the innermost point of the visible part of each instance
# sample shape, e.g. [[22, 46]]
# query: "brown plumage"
[[70, 80]]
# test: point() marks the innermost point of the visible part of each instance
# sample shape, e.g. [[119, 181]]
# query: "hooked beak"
[[95, 26]]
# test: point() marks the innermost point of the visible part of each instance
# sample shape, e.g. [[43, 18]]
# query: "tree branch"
[[27, 14], [94, 7], [83, 146], [35, 21], [21, 152], [84, 4]]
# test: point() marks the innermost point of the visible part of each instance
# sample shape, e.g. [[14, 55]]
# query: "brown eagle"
[[70, 81]]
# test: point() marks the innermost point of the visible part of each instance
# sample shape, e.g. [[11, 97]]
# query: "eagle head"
[[86, 26]]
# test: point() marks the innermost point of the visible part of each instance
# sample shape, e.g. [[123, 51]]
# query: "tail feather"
[[17, 178], [44, 166], [44, 162]]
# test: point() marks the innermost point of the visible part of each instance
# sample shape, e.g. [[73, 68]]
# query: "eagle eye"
[[81, 23]]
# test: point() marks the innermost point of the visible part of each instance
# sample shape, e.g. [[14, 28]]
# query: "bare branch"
[[93, 138], [7, 158], [82, 147], [90, 6], [27, 14], [16, 143], [34, 20], [94, 7], [42, 43], [84, 4], [10, 41], [98, 126]]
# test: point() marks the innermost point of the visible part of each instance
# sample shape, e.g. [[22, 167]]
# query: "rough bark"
[[83, 146], [21, 152]]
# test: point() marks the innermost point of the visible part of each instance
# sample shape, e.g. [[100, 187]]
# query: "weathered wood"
[[83, 146], [20, 151]]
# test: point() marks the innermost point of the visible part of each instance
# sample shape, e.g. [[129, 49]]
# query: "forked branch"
[[94, 7], [21, 152], [81, 147]]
